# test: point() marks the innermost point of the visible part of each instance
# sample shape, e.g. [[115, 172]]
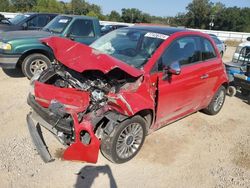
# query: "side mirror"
[[248, 38], [69, 36], [173, 69]]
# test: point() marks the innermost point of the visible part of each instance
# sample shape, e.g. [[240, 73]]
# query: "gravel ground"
[[197, 151]]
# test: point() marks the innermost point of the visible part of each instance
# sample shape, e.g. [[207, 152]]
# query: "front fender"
[[129, 103], [27, 47]]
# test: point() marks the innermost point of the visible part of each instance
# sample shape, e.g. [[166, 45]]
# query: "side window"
[[217, 41], [208, 51], [38, 21], [245, 52], [82, 28], [186, 50]]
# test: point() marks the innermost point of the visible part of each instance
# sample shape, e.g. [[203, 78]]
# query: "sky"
[[158, 7]]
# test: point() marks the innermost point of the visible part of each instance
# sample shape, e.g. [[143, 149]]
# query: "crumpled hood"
[[13, 35], [80, 57]]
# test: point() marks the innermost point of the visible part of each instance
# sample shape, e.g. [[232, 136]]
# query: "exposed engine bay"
[[94, 82], [99, 89]]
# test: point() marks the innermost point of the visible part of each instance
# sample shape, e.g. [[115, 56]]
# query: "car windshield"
[[238, 49], [58, 24], [19, 18], [132, 46]]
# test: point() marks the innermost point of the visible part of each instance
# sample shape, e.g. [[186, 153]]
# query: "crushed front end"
[[78, 108]]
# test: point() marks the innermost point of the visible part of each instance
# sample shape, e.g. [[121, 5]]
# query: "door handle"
[[204, 76]]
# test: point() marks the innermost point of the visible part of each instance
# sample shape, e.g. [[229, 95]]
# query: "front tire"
[[125, 141], [217, 102], [33, 63]]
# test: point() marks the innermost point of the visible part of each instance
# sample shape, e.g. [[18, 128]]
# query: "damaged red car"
[[127, 84]]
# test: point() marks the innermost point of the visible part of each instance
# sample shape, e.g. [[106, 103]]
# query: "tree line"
[[202, 14]]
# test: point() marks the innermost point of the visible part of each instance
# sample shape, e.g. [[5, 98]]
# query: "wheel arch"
[[35, 51], [148, 115], [225, 84]]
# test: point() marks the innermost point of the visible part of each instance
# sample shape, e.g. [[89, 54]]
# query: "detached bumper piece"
[[38, 141], [77, 151]]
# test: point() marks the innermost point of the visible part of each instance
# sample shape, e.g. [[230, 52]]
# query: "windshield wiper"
[[47, 29]]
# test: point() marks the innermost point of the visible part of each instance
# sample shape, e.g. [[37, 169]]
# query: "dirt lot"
[[197, 151]]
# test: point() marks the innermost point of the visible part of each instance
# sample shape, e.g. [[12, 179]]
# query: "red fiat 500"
[[127, 84]]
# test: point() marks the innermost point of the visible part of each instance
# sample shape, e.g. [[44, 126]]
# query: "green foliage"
[[202, 12], [4, 4], [23, 5], [79, 7], [114, 16], [92, 14], [198, 15], [135, 16], [50, 6]]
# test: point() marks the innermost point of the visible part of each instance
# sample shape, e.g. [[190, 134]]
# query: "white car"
[[242, 52], [219, 43]]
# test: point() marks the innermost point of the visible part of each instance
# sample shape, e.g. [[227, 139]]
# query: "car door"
[[82, 30], [179, 95], [212, 66]]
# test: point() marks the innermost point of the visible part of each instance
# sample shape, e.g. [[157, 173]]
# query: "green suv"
[[23, 49]]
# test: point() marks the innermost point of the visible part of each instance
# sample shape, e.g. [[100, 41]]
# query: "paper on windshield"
[[156, 35], [63, 21]]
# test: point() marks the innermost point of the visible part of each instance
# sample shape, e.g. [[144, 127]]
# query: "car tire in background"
[[217, 102], [125, 141], [33, 63]]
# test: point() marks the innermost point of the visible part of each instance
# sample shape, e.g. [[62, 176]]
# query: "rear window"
[[82, 28]]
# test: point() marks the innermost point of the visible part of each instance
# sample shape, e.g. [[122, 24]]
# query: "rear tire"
[[217, 102], [125, 141], [34, 62]]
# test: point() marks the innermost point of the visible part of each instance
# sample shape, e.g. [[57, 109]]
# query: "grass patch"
[[233, 43]]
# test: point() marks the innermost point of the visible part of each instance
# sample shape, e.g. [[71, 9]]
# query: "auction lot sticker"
[[157, 35], [63, 21]]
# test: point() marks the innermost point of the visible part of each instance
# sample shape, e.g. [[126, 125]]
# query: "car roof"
[[78, 16], [213, 35], [35, 13], [159, 29]]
